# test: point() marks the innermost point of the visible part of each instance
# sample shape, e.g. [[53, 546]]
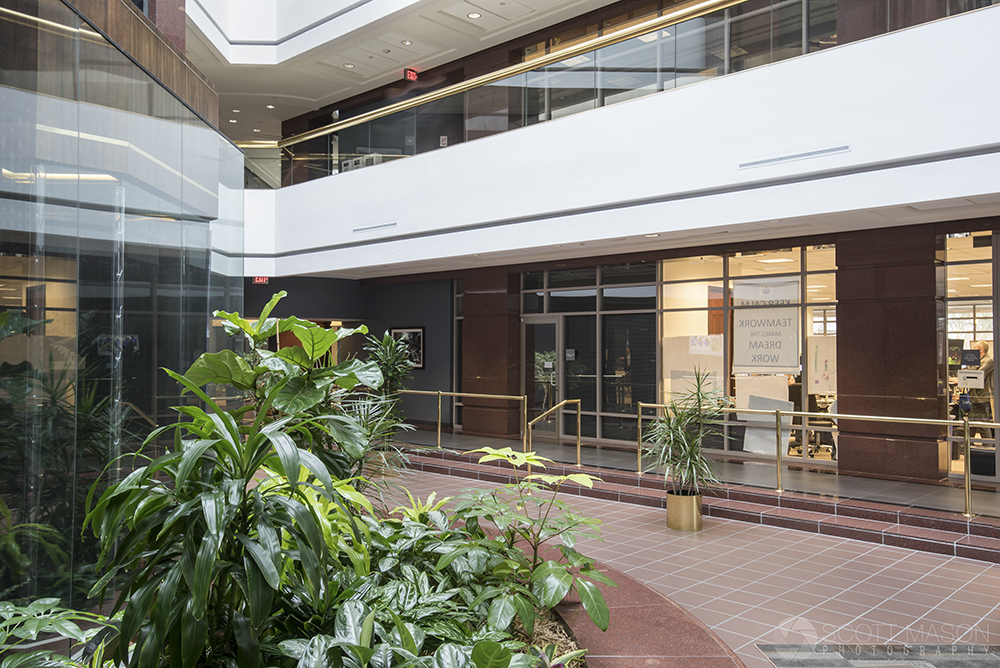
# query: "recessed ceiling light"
[[775, 260], [270, 106], [982, 285], [407, 42], [232, 120], [349, 66], [959, 278], [652, 236], [256, 129], [236, 111], [474, 15]]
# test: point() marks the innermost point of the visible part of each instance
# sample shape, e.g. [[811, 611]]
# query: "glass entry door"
[[542, 372]]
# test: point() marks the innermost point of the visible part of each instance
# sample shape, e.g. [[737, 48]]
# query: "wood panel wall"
[[889, 316], [491, 351], [139, 37]]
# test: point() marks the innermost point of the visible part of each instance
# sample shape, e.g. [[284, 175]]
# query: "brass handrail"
[[523, 417], [141, 414], [779, 444], [527, 444], [686, 12]]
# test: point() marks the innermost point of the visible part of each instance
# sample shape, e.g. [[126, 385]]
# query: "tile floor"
[[759, 584]]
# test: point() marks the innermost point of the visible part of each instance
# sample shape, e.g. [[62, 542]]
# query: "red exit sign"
[[260, 280], [410, 75]]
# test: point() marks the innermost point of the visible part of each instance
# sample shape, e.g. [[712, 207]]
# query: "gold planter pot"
[[684, 511]]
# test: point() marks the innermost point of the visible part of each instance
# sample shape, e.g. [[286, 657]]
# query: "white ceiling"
[[439, 31]]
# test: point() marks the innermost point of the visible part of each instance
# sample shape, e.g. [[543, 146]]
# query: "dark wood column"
[[889, 351], [491, 346]]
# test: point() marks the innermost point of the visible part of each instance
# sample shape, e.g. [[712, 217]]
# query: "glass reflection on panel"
[[637, 297], [532, 302], [692, 295], [786, 40], [750, 35], [970, 280], [822, 24], [821, 287], [571, 85], [758, 263], [700, 49], [821, 258], [689, 268], [588, 423], [580, 354], [533, 280], [968, 246], [629, 361], [691, 340], [628, 70], [573, 277], [628, 273], [572, 300], [437, 124], [495, 108]]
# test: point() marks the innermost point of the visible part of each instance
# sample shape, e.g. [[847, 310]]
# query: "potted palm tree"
[[676, 442]]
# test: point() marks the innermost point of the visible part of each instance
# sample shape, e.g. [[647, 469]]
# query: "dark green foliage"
[[393, 360], [248, 544]]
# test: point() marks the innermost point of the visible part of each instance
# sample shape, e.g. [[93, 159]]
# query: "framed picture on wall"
[[414, 339]]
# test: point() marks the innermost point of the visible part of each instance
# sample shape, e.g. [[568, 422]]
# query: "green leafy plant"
[[676, 440], [204, 545], [55, 437], [547, 658], [524, 517], [45, 617], [393, 359]]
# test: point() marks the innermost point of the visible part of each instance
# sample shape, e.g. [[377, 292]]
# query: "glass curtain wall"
[[748, 35], [761, 325], [969, 302], [121, 215]]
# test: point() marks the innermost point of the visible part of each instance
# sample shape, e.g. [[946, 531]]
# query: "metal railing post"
[[638, 443], [778, 448], [968, 469], [528, 447], [578, 422], [439, 419], [524, 421]]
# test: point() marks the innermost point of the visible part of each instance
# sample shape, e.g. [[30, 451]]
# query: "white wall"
[[905, 96]]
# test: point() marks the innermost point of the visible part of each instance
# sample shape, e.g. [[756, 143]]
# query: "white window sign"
[[766, 340], [973, 379]]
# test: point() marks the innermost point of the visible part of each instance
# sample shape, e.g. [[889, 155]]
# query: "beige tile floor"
[[758, 584]]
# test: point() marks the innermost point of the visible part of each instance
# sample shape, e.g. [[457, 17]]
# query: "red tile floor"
[[752, 583]]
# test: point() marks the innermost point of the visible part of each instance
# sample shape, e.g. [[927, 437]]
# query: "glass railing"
[[707, 40]]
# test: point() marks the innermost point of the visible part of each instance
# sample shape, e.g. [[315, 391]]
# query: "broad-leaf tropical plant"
[[203, 544], [525, 517]]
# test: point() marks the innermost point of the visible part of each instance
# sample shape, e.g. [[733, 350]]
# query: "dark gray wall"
[[426, 304], [308, 297]]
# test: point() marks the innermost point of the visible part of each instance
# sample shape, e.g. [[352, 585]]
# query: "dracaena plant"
[[676, 440], [526, 517], [203, 544]]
